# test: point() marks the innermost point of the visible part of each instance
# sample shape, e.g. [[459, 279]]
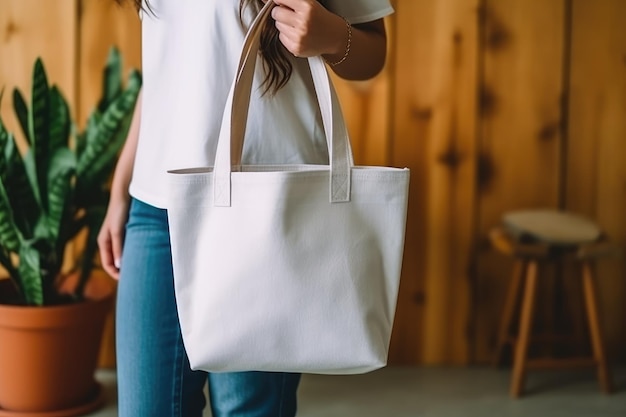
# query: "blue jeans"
[[154, 377]]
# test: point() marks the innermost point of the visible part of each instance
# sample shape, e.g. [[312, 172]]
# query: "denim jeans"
[[154, 377]]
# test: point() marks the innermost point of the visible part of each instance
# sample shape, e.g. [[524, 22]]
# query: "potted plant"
[[52, 188]]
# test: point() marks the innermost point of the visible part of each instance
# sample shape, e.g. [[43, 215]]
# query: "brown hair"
[[275, 56]]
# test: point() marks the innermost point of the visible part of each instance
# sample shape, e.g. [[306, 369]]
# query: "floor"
[[442, 392]]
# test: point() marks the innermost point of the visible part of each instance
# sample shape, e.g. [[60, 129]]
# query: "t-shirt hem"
[[145, 197], [355, 20]]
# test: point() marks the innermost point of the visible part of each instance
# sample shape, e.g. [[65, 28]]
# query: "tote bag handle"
[[232, 133]]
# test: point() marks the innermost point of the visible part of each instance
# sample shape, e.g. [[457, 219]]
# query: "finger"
[[106, 255], [288, 32], [291, 45], [285, 15]]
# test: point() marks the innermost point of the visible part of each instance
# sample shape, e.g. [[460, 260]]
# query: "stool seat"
[[553, 227], [529, 250]]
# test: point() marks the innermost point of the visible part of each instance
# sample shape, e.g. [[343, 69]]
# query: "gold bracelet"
[[348, 45]]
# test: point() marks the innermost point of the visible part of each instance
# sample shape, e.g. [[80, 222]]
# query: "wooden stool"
[[533, 237]]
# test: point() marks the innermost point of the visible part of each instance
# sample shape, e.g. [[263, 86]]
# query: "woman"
[[190, 54]]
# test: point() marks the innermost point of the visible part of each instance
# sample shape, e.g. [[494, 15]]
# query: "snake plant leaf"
[[9, 234], [91, 133], [4, 138], [85, 190], [42, 231], [79, 139], [30, 167], [62, 169], [19, 188], [100, 171], [30, 273], [111, 79], [102, 149], [60, 121], [21, 111], [39, 123]]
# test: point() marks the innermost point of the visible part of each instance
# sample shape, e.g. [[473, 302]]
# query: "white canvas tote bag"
[[286, 268]]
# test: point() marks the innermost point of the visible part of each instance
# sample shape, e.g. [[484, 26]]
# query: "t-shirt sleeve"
[[359, 11]]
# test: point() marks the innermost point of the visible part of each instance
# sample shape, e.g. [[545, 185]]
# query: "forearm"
[[364, 49], [126, 161]]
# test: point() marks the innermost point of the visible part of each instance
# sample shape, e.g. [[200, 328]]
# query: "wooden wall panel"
[[520, 133], [449, 93], [29, 30], [410, 127], [596, 151], [434, 135], [365, 106]]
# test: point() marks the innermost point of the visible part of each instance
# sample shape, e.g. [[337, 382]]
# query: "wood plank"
[[596, 180], [451, 187], [30, 31], [366, 108], [409, 127], [520, 135], [434, 135]]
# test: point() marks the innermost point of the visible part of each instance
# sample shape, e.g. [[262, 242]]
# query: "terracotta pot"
[[48, 357]]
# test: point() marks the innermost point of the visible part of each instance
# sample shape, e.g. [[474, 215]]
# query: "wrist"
[[342, 38], [119, 199], [119, 191]]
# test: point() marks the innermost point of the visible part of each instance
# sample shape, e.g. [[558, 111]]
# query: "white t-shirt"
[[190, 54]]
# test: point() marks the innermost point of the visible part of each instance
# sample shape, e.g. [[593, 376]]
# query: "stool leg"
[[599, 353], [523, 340], [509, 310]]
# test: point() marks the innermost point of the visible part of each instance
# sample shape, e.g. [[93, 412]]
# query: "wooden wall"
[[495, 105]]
